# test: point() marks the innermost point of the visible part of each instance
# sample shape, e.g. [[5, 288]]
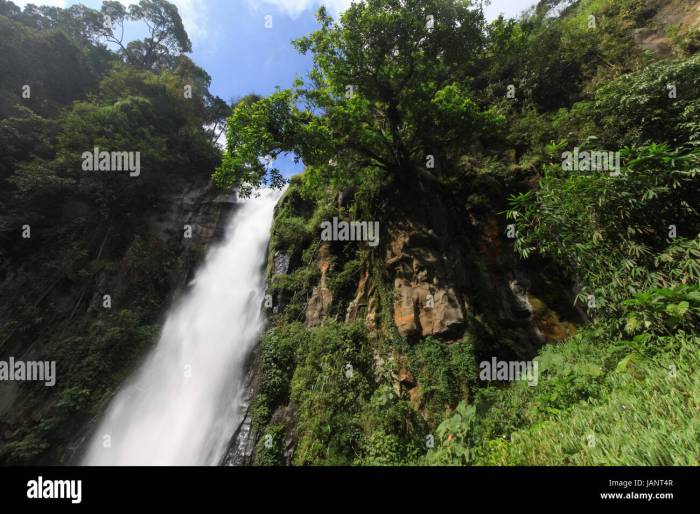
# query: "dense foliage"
[[390, 86], [412, 109], [67, 87], [497, 105]]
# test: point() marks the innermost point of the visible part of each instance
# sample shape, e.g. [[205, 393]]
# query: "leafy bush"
[[601, 399], [647, 419], [276, 362], [269, 450], [664, 310], [639, 108], [332, 382], [456, 437], [445, 373], [597, 226]]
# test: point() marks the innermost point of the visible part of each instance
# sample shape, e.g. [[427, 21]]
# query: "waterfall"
[[181, 406]]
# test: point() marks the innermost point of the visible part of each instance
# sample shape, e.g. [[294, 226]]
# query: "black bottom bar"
[[347, 487]]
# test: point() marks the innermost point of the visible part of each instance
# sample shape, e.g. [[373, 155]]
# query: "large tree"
[[389, 90], [166, 38]]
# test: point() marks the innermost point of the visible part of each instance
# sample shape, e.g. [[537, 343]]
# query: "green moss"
[[276, 362], [332, 382], [290, 291], [269, 451], [343, 283], [445, 374]]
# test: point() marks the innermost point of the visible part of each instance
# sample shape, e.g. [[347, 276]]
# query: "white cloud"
[[508, 8], [293, 8], [52, 3], [194, 14]]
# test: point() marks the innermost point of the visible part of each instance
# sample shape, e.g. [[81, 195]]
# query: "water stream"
[[182, 405]]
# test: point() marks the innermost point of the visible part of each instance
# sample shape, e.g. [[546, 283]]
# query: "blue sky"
[[230, 40]]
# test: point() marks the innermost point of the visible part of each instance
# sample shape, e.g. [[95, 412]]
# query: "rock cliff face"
[[444, 270], [449, 271], [318, 305], [425, 300], [655, 37]]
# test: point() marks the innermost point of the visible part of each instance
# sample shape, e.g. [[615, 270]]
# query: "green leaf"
[[677, 310]]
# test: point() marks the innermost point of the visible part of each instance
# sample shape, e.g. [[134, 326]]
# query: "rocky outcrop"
[[280, 263], [202, 208], [669, 15], [448, 277], [425, 302], [365, 304], [360, 303], [442, 270], [321, 298], [241, 448]]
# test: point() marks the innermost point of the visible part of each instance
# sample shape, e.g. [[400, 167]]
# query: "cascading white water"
[[181, 406]]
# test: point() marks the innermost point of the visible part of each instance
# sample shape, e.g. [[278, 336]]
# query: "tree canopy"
[[390, 90]]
